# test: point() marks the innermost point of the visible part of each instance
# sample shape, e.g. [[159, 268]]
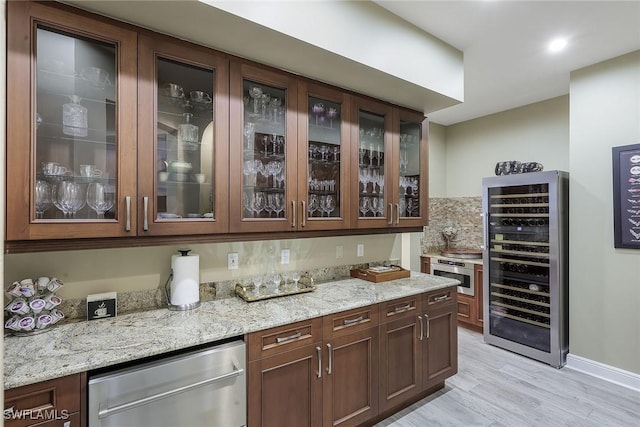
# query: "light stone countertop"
[[82, 346]]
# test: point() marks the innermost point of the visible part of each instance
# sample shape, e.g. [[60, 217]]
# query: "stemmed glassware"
[[318, 109], [365, 205], [314, 204], [411, 206], [276, 279], [100, 198], [275, 106], [257, 281], [255, 92], [295, 276], [43, 198], [259, 203], [69, 198], [329, 204], [332, 113]]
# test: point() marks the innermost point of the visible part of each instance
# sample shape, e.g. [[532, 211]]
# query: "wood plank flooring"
[[495, 387]]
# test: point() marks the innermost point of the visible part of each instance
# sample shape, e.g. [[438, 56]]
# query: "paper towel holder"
[[180, 307]]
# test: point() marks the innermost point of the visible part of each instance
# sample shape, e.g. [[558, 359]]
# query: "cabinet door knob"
[[293, 214], [330, 365], [319, 350], [390, 213], [421, 327], [397, 213]]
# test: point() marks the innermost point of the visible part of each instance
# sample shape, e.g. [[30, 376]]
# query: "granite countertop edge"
[[83, 346]]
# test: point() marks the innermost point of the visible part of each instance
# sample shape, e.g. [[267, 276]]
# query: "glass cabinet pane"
[[75, 122], [371, 165], [185, 141], [409, 159], [323, 180], [264, 151]]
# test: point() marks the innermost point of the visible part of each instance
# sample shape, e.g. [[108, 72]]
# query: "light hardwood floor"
[[495, 387]]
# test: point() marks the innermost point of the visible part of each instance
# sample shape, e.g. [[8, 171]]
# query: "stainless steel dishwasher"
[[199, 388]]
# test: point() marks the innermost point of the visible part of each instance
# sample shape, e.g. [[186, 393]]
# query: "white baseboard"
[[600, 370]]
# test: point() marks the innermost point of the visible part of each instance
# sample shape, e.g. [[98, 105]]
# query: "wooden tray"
[[396, 272]]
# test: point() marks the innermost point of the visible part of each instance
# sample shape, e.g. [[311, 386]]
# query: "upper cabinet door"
[[71, 125], [410, 169], [263, 138], [183, 138], [372, 165], [323, 157]]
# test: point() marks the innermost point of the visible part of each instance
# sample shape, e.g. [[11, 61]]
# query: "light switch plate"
[[339, 252], [360, 249], [232, 260], [285, 255]]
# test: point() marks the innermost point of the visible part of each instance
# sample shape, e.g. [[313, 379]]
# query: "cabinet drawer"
[[49, 400], [283, 338], [439, 298], [346, 322], [399, 308]]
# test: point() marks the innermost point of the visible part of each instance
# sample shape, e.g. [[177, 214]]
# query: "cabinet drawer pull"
[[293, 216], [347, 322], [127, 202], [289, 338], [403, 308], [145, 222], [303, 214], [390, 213], [330, 365], [319, 350], [397, 213], [441, 298], [421, 327]]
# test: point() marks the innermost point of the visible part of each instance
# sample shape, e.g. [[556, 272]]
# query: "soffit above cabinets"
[[354, 45]]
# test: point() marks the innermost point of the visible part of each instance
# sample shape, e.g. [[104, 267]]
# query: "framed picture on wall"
[[626, 196]]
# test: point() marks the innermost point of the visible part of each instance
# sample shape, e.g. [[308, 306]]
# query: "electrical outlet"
[[285, 254], [360, 249], [232, 260], [339, 252]]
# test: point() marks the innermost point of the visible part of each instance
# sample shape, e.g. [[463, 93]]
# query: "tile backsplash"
[[462, 213]]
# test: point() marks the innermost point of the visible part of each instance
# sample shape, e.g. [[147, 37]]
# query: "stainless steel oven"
[[459, 270]]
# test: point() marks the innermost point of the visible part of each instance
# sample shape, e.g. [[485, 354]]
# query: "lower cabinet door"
[[440, 348], [286, 389], [351, 378], [400, 361]]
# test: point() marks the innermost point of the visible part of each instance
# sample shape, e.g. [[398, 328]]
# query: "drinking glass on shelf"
[[411, 206], [374, 206], [365, 178], [257, 281], [336, 152], [275, 106], [100, 198], [255, 92], [365, 205], [318, 109], [69, 198], [279, 204], [332, 113], [314, 204], [43, 199], [74, 117], [259, 203], [276, 279], [264, 103], [249, 133]]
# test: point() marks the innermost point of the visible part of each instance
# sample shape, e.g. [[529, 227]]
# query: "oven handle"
[[103, 413]]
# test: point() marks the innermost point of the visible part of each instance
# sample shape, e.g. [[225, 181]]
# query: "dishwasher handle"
[[103, 413]]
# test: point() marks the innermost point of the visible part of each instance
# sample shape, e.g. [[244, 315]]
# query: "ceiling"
[[506, 60]]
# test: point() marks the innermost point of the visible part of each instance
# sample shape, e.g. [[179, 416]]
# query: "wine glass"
[[255, 92], [275, 106], [332, 113], [249, 132], [276, 279], [43, 199], [374, 206], [296, 278], [318, 109], [68, 198], [259, 203], [314, 204], [257, 281], [365, 203], [330, 204], [100, 198], [279, 204]]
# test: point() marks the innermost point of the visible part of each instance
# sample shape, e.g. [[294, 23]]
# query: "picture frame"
[[626, 196]]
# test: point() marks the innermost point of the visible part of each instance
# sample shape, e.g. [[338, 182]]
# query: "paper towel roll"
[[186, 279]]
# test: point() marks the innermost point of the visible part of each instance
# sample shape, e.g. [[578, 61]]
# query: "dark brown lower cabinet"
[[59, 402], [365, 364], [285, 389], [440, 345]]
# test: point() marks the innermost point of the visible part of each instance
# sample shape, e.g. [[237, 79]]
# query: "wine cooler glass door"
[[518, 240]]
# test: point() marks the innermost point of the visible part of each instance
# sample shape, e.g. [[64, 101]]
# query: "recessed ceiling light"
[[558, 44]]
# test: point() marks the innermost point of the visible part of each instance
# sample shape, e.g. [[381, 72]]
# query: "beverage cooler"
[[526, 264]]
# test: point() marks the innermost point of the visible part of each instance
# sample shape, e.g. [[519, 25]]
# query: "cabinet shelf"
[[520, 319], [521, 253], [54, 131], [517, 261], [524, 290], [519, 196]]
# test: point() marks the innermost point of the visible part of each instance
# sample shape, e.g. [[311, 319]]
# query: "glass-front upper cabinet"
[[410, 169], [263, 137], [71, 134], [182, 171], [371, 189], [323, 184]]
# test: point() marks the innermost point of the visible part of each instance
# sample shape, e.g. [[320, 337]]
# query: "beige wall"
[[127, 269], [604, 281], [437, 160], [537, 132]]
